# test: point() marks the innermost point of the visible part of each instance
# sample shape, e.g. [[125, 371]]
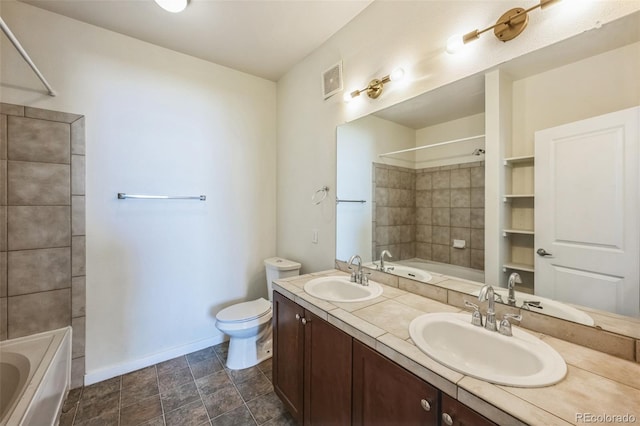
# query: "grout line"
[[164, 420]]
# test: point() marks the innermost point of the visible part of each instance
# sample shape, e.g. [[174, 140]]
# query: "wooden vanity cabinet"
[[311, 365], [461, 415], [386, 394]]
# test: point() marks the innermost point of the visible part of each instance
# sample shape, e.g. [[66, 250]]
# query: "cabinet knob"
[[304, 321], [426, 406], [446, 418], [298, 317]]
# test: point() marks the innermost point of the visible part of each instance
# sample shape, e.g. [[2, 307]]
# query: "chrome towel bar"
[[338, 201], [122, 196]]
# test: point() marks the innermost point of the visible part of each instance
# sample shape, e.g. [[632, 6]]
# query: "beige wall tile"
[[440, 253], [407, 251], [3, 137], [461, 234], [382, 196], [441, 197], [78, 215], [477, 259], [3, 274], [477, 197], [441, 216], [423, 181], [79, 334], [31, 227], [78, 297], [423, 198], [441, 180], [77, 174], [383, 277], [32, 271], [38, 184], [38, 140], [78, 256], [460, 178], [637, 350], [33, 313], [382, 176], [3, 228], [461, 197], [477, 218], [3, 318], [394, 179], [441, 235], [461, 217], [424, 216], [78, 137], [424, 233], [423, 251], [77, 373], [460, 257], [45, 114], [10, 109], [477, 177], [477, 239], [423, 289], [3, 182]]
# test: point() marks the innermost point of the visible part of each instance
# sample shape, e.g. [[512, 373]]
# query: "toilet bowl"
[[248, 324]]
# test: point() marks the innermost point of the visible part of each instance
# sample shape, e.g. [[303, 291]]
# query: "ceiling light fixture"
[[374, 89], [508, 26], [174, 6]]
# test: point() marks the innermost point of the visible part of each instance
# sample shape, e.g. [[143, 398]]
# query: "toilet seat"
[[245, 311]]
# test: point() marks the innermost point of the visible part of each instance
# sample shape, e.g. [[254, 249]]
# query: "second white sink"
[[340, 289], [520, 360]]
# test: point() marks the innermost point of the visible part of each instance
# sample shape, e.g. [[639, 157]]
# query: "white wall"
[[157, 122], [384, 36], [456, 153], [358, 146]]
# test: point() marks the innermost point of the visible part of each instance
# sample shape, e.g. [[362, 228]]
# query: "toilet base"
[[250, 351]]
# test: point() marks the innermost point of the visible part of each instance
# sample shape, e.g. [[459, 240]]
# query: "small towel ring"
[[324, 190]]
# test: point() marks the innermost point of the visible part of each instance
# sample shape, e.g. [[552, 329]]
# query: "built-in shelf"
[[517, 231], [509, 197], [519, 267], [525, 159]]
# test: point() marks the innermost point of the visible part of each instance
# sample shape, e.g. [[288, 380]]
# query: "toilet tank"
[[278, 268]]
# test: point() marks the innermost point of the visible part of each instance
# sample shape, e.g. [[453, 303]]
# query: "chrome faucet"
[[514, 279], [505, 325], [487, 293], [358, 276], [382, 255]]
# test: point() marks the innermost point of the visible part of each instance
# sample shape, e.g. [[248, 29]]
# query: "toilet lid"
[[244, 311]]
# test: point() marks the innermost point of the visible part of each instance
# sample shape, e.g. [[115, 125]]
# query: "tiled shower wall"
[[42, 225], [446, 203]]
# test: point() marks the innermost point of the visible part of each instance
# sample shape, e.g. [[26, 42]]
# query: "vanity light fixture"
[[173, 6], [374, 89], [507, 27]]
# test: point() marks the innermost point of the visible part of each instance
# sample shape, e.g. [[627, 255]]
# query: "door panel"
[[586, 212]]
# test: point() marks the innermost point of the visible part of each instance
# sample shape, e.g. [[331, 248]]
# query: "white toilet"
[[248, 324]]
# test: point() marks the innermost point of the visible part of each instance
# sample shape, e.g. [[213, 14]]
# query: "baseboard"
[[105, 373]]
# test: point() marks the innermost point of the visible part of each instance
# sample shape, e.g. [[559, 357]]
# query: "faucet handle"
[[505, 325], [476, 316], [365, 278]]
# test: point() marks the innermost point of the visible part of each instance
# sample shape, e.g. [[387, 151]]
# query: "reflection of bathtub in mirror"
[[546, 306], [424, 270], [403, 271]]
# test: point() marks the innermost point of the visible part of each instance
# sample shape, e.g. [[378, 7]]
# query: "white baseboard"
[[105, 373]]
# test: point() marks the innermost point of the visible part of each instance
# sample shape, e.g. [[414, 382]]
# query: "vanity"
[[355, 363]]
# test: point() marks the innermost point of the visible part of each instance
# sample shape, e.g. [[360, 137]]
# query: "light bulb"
[[455, 43], [173, 6], [397, 74]]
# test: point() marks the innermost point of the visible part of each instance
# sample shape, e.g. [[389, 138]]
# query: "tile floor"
[[189, 390]]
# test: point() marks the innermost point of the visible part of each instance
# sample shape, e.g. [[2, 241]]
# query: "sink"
[[521, 360], [406, 271], [340, 289], [547, 306]]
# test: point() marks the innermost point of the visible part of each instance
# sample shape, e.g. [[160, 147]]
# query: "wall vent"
[[332, 80]]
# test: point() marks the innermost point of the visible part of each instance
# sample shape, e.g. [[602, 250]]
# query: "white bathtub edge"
[[115, 370]]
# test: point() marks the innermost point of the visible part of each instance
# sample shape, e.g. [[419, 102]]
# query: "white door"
[[587, 233]]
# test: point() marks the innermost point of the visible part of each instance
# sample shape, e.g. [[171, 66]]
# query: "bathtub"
[[35, 374], [446, 269]]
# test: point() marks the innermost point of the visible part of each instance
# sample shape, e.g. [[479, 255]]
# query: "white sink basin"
[[340, 289], [547, 306], [520, 360]]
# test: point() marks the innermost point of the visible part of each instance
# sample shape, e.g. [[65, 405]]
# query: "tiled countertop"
[[596, 383]]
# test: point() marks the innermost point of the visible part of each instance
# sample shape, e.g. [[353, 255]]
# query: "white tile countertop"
[[596, 384]]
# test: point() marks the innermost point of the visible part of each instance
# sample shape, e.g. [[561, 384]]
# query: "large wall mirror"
[[414, 181]]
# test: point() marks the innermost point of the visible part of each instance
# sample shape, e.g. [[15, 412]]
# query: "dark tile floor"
[[195, 389]]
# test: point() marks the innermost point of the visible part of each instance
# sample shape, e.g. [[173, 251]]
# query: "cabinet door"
[[327, 384], [386, 394], [288, 354], [461, 415]]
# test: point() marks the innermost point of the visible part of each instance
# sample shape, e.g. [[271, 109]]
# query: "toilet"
[[248, 324]]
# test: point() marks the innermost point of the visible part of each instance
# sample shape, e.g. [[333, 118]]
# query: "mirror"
[[411, 177]]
